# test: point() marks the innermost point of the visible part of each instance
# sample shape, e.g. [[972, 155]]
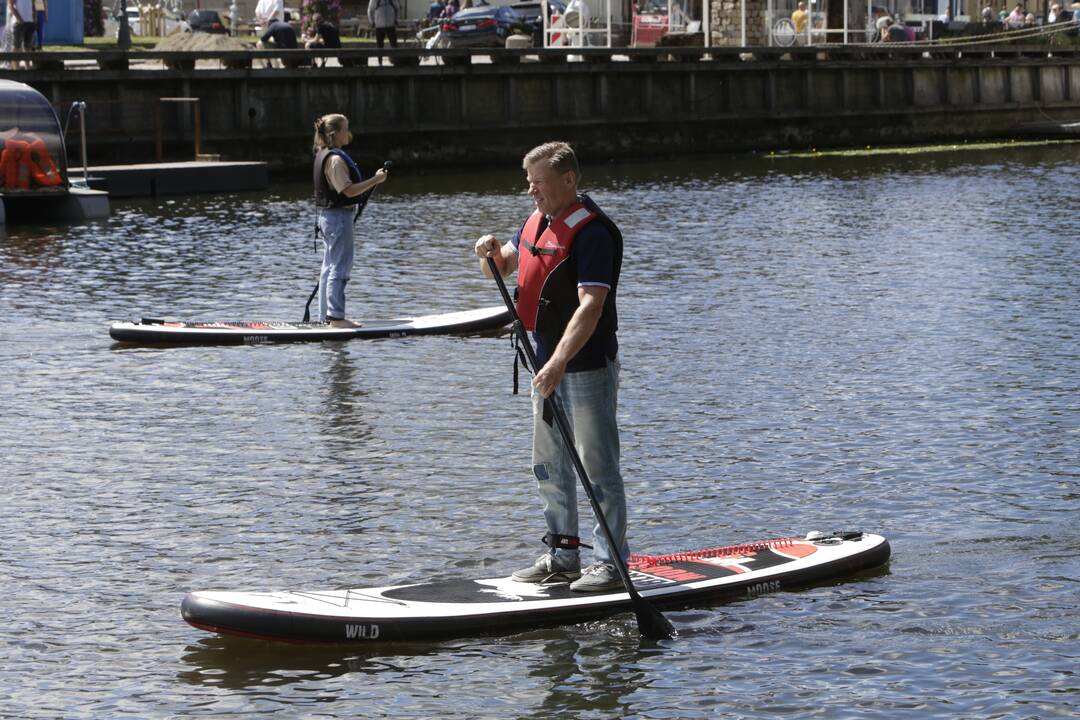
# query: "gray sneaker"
[[547, 570], [598, 577]]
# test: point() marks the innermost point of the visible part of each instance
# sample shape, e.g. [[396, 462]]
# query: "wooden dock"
[[176, 178]]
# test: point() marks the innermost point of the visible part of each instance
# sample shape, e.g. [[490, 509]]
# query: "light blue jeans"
[[336, 226], [589, 400]]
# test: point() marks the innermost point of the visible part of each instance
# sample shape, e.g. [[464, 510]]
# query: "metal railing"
[[79, 107], [405, 59]]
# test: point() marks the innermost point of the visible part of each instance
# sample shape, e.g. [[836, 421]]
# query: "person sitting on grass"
[[893, 32], [326, 37]]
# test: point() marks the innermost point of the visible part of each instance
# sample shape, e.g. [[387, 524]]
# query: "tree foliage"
[[330, 10], [93, 18]]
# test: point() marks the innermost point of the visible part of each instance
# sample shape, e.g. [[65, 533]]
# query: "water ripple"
[[807, 344]]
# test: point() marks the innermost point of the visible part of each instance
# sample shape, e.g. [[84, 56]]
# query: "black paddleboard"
[[174, 332], [430, 611]]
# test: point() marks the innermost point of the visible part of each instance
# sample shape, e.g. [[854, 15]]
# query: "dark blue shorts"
[[24, 35]]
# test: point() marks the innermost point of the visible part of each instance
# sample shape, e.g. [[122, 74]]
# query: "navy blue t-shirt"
[[283, 35], [329, 34], [593, 252]]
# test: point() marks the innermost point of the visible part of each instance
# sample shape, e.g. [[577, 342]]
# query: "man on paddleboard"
[[568, 255]]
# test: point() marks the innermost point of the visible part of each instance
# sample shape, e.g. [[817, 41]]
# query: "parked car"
[[529, 10], [207, 21], [486, 26]]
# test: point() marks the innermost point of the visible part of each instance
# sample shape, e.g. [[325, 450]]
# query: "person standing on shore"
[[7, 44], [20, 14], [266, 12], [799, 18], [1015, 19], [568, 255], [339, 188], [41, 14], [383, 16]]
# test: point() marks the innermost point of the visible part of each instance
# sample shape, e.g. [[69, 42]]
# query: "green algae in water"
[[920, 149]]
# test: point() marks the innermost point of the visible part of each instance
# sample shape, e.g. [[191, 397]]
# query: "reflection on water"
[[611, 673], [344, 398], [240, 664], [882, 343]]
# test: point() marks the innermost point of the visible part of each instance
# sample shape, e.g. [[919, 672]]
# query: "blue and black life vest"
[[325, 195]]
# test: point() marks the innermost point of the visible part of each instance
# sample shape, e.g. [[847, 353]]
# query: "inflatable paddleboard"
[[152, 331], [429, 611]]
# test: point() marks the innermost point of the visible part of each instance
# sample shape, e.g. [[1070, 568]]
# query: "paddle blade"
[[651, 623]]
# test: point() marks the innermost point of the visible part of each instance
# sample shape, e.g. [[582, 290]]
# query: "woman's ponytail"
[[325, 127]]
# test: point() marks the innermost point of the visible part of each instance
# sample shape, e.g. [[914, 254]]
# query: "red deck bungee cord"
[[748, 548]]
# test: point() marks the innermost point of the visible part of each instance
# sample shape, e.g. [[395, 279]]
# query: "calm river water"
[[889, 344]]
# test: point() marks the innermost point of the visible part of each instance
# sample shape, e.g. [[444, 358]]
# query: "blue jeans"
[[336, 225], [589, 400]]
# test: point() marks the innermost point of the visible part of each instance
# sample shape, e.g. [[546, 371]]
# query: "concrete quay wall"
[[490, 113]]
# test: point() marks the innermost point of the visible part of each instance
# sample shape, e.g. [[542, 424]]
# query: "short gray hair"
[[558, 155]]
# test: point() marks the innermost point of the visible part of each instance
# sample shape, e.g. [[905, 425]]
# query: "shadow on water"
[[600, 667], [590, 652], [238, 663], [30, 248]]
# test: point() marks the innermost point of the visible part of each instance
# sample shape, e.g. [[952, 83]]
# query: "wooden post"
[[194, 102]]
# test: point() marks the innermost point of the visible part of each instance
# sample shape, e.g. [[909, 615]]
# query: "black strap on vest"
[[533, 250], [564, 542], [307, 306], [315, 247], [519, 359], [517, 356]]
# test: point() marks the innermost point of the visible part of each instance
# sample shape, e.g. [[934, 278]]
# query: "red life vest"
[[23, 161], [543, 250]]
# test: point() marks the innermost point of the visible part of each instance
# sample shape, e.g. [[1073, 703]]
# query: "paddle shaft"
[[651, 623]]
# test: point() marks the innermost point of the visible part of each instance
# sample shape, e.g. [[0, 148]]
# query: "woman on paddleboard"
[[340, 193]]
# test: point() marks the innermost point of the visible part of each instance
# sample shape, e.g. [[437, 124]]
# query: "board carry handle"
[[651, 623]]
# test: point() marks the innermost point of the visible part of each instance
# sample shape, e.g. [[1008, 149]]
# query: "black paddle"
[[359, 210], [651, 623]]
